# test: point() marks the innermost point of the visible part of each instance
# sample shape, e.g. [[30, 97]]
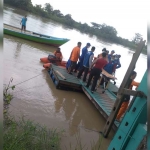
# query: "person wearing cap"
[[110, 55], [117, 62], [83, 53]]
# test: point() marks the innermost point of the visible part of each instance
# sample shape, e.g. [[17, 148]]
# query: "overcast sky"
[[126, 16]]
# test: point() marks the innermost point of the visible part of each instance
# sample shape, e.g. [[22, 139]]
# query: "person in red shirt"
[[99, 64], [75, 54]]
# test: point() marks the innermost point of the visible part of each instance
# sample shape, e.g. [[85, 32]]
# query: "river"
[[38, 99]]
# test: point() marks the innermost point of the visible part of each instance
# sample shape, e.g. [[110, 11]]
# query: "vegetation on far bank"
[[102, 31]]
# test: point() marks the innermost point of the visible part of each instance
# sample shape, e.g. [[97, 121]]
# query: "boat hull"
[[53, 41]]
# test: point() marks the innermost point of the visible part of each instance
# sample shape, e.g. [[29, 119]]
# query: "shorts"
[[23, 27]]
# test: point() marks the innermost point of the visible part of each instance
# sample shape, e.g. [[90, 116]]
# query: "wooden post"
[[125, 83]]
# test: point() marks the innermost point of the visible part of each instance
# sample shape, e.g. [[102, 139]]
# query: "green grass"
[[26, 135]]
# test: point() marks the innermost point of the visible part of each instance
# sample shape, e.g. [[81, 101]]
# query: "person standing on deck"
[[117, 61], [96, 71], [100, 55], [110, 55], [125, 103], [84, 51], [75, 54], [109, 68], [87, 62], [23, 22]]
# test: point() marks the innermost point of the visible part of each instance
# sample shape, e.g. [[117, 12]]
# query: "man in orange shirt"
[[124, 105], [75, 54]]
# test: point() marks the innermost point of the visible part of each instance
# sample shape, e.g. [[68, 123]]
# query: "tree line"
[[102, 31]]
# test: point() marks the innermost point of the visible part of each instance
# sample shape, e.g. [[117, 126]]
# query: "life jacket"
[[86, 59]]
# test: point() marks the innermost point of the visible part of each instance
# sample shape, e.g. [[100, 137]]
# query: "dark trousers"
[[85, 70], [72, 66], [96, 74]]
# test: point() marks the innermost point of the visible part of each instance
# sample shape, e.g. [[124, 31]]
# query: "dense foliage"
[[102, 31]]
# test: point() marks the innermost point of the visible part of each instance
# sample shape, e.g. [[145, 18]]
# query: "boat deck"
[[18, 29], [102, 101]]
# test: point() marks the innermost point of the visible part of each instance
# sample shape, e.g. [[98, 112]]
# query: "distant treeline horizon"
[[101, 31]]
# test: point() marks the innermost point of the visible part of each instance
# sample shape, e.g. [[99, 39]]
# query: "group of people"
[[88, 63]]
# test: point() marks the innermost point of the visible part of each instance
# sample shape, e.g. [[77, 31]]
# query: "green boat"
[[33, 36]]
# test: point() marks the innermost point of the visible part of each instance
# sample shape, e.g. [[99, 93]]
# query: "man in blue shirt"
[[110, 55], [87, 63], [23, 22], [83, 53]]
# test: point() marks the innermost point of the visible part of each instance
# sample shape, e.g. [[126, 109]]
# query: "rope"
[[26, 80], [28, 88]]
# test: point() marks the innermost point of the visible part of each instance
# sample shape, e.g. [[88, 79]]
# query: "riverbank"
[[24, 134], [21, 133]]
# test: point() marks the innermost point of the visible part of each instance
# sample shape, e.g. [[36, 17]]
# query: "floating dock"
[[63, 80], [102, 101]]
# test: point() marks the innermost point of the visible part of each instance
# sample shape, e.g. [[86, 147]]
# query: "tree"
[[111, 31], [68, 17], [22, 4], [48, 8], [137, 38], [69, 21], [95, 25], [57, 13]]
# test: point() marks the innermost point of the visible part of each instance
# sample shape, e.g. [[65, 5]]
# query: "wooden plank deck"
[[102, 101], [71, 81]]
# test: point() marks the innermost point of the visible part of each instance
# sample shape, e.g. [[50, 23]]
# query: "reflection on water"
[[38, 99], [18, 49]]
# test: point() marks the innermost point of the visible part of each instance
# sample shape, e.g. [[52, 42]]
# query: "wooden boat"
[[33, 36]]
